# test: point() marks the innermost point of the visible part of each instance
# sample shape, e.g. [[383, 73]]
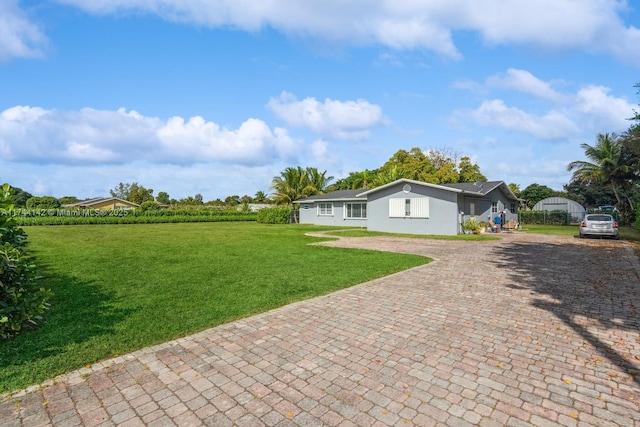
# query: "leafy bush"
[[44, 202], [149, 205], [22, 301], [471, 226], [27, 217], [274, 216]]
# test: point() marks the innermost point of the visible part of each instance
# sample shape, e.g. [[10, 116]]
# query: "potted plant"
[[471, 226]]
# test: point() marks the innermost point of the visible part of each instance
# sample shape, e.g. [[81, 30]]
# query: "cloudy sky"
[[219, 96]]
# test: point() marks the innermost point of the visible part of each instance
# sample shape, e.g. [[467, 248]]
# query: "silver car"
[[603, 225]]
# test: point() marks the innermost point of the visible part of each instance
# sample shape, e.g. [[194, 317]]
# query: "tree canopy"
[[435, 166], [610, 163], [43, 202], [132, 192], [20, 197], [534, 193], [295, 183]]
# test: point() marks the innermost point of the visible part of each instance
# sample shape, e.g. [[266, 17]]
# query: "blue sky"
[[217, 97]]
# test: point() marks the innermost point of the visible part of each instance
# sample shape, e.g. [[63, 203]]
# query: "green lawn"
[[118, 288]]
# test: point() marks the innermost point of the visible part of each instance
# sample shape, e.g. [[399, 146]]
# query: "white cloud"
[[589, 110], [589, 25], [524, 81], [34, 135], [322, 156], [338, 119], [19, 37], [553, 125], [605, 112]]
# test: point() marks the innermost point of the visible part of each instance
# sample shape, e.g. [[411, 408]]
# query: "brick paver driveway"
[[529, 330]]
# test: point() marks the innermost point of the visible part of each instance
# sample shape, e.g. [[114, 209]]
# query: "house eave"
[[410, 181]]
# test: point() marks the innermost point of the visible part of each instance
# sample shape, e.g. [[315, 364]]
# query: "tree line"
[[609, 176], [138, 194]]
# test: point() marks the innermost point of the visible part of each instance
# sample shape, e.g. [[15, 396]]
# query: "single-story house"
[[413, 207], [103, 203]]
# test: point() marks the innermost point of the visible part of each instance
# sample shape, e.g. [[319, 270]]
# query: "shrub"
[[28, 217], [22, 301], [274, 216], [471, 226], [149, 205], [44, 202]]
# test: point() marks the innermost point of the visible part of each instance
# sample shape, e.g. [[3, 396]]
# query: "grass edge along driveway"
[[119, 288]]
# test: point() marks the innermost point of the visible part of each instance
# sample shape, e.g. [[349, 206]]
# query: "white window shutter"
[[420, 207], [396, 208]]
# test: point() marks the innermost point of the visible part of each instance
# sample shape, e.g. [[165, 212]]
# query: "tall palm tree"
[[289, 185], [608, 164], [295, 183], [317, 182], [260, 197]]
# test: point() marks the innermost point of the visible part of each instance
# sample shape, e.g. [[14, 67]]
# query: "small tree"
[[44, 202], [22, 301], [163, 197], [68, 200], [534, 193], [132, 192], [20, 197]]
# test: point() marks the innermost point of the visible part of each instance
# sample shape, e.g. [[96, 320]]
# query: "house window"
[[472, 209], [355, 210], [416, 207], [325, 209], [514, 208], [494, 207]]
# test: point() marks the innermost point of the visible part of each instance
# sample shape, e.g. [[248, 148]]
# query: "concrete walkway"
[[529, 330]]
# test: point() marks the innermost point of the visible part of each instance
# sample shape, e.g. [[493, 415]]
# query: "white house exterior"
[[412, 207], [343, 208]]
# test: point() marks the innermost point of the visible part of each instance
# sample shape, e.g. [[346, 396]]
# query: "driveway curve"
[[529, 330]]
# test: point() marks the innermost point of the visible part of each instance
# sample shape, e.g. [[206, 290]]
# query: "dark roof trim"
[[333, 196], [484, 188], [410, 181]]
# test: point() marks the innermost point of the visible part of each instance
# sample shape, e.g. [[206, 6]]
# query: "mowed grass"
[[118, 288]]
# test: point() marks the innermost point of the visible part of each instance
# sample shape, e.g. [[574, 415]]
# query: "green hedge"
[[26, 217], [274, 216]]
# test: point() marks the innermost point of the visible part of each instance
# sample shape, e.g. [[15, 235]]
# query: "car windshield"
[[599, 218]]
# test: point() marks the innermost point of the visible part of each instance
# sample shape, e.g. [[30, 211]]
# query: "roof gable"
[[483, 188], [412, 182], [97, 200]]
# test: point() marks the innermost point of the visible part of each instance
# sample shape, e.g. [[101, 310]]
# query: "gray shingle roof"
[[476, 187], [333, 196]]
